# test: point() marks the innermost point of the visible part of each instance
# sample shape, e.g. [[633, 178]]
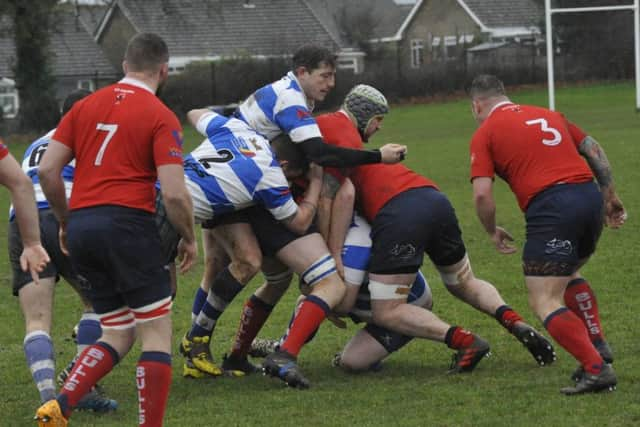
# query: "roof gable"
[[505, 13], [227, 27]]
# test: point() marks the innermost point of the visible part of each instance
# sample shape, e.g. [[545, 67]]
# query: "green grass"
[[507, 389]]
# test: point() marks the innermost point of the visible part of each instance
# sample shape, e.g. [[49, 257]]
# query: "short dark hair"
[[146, 52], [312, 57], [72, 98], [486, 86], [285, 149]]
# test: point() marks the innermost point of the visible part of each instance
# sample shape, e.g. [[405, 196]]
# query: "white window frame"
[[9, 92], [87, 84], [417, 53]]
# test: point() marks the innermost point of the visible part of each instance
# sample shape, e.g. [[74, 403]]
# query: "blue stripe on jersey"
[[215, 125], [273, 197], [247, 171], [294, 117], [266, 98], [209, 185], [356, 257]]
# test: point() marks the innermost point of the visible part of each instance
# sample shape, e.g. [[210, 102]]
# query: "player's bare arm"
[[194, 115], [179, 206], [33, 258], [341, 217], [307, 208], [330, 187], [486, 211], [601, 168]]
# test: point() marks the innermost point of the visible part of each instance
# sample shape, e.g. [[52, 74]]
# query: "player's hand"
[[501, 238], [615, 215], [315, 172], [62, 237], [187, 254], [34, 259], [393, 153], [339, 266]]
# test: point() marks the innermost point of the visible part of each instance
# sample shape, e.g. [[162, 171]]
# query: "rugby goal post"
[[549, 11]]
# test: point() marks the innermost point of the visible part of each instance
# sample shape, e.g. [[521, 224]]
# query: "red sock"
[[507, 317], [457, 337], [567, 329], [581, 300], [94, 362], [310, 315], [153, 378], [254, 314]]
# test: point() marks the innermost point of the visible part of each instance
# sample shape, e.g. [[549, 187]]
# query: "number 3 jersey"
[[530, 147], [234, 168], [30, 163]]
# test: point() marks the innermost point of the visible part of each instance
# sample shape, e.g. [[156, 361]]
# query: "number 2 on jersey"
[[544, 125], [111, 130]]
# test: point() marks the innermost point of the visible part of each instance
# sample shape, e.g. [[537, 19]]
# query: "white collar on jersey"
[[499, 104], [135, 82], [310, 103]]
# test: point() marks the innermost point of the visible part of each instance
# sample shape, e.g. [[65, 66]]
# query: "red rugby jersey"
[[119, 136], [375, 184], [531, 148]]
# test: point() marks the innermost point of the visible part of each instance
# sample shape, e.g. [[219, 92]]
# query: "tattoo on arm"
[[597, 159], [330, 186]]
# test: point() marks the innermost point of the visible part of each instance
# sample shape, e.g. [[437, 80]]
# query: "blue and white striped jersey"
[[30, 162], [234, 168], [280, 107]]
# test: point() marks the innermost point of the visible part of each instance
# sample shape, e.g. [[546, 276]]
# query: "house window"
[[9, 101], [348, 64], [450, 47], [417, 53], [87, 84]]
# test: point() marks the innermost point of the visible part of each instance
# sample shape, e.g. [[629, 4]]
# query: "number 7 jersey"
[[234, 168], [530, 147]]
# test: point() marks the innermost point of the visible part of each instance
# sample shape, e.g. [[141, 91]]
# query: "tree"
[[34, 79]]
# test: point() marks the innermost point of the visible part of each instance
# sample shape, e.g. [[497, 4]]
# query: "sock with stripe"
[[309, 317], [254, 314], [95, 362], [581, 300], [153, 378], [38, 349], [89, 331], [199, 300], [223, 290], [457, 338], [568, 331], [507, 317]]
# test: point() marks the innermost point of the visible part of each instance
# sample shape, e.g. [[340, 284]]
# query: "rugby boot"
[[605, 352], [50, 415], [197, 350], [261, 347], [593, 383], [96, 401], [190, 371], [466, 359], [235, 367], [539, 347], [283, 365]]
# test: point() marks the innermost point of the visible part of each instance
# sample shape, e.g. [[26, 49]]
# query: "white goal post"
[[548, 12]]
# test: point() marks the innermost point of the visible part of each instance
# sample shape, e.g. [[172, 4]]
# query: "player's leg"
[[255, 312], [401, 232], [557, 222], [239, 242]]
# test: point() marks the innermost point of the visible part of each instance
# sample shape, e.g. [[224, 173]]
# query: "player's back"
[[232, 169], [119, 135], [533, 148], [280, 107]]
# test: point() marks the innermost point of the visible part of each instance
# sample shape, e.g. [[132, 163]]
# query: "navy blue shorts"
[[272, 235], [415, 221], [564, 223], [116, 252], [60, 265]]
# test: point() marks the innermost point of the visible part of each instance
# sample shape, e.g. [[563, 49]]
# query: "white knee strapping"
[[321, 268], [459, 276], [380, 290]]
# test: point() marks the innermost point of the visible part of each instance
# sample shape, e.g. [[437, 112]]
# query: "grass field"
[[507, 389]]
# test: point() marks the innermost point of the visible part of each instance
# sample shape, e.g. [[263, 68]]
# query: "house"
[[215, 29], [440, 30], [76, 60]]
